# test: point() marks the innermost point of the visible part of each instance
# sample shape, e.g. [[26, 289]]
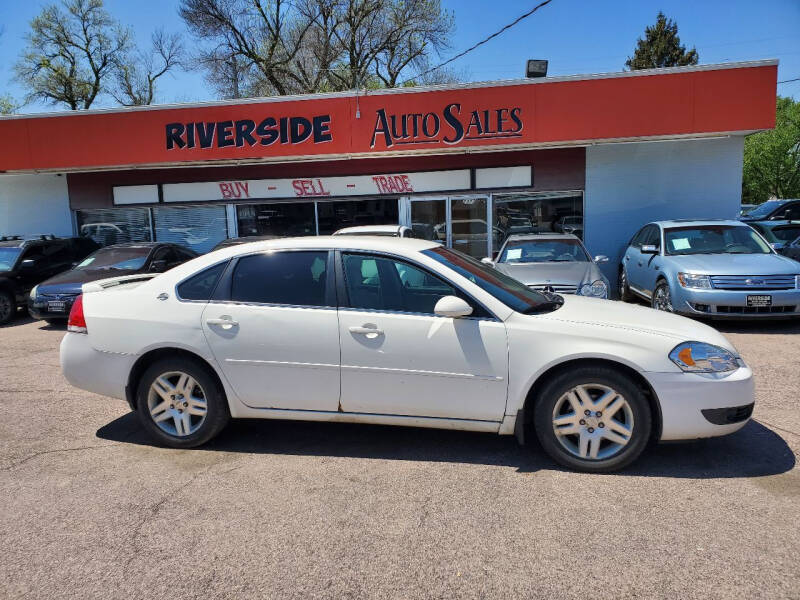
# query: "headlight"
[[699, 357], [597, 289], [688, 280], [33, 292]]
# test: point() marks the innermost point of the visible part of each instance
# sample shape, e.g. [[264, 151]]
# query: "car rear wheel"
[[624, 291], [180, 404], [662, 299], [8, 307], [592, 419]]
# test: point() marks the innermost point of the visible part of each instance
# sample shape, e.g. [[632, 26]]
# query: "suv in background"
[[779, 234], [27, 262], [774, 210]]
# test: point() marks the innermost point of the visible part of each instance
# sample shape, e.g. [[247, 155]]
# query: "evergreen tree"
[[661, 47]]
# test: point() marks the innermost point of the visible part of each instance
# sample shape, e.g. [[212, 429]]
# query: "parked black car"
[[52, 300], [26, 262], [774, 210], [778, 233], [243, 240]]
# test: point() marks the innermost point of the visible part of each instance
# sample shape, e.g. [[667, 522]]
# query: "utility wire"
[[483, 41], [790, 80]]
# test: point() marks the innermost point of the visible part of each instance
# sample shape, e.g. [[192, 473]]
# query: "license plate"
[[57, 306], [759, 300]]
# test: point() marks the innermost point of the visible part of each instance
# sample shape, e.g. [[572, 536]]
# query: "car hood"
[[566, 273], [72, 280], [735, 264], [614, 315]]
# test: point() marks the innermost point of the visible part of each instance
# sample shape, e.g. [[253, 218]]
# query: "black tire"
[[217, 413], [553, 394], [662, 298], [624, 291], [8, 306]]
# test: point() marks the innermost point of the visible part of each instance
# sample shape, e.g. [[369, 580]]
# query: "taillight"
[[76, 322]]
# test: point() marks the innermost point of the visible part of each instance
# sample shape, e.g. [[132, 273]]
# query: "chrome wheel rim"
[[623, 283], [662, 299], [593, 421], [177, 403], [5, 307]]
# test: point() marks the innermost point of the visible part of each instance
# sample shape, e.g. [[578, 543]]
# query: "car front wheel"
[[592, 419], [180, 404], [8, 307], [624, 291], [662, 299]]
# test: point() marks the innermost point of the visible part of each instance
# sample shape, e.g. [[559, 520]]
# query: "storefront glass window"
[[560, 212], [108, 226], [283, 219], [197, 227], [350, 213]]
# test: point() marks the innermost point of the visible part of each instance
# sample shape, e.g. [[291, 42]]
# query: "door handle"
[[366, 330], [225, 322], [640, 264]]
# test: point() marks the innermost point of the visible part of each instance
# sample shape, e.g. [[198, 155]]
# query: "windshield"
[[539, 251], [714, 239], [763, 210], [123, 259], [785, 234], [8, 256], [509, 291]]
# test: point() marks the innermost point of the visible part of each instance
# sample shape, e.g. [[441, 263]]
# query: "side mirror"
[[158, 266], [452, 306], [601, 258], [28, 263], [487, 261], [649, 249]]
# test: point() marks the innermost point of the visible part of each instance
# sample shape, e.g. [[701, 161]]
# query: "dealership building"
[[465, 164]]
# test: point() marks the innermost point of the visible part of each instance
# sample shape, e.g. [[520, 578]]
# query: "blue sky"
[[576, 36]]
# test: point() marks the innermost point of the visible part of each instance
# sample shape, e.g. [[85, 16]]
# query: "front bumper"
[[732, 304], [700, 405], [39, 308]]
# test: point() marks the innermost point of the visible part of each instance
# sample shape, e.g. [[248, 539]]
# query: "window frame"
[[344, 298], [216, 287], [222, 293]]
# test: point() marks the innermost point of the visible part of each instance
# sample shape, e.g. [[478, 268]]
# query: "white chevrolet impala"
[[401, 332]]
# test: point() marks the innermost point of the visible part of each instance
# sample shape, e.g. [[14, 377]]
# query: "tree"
[[72, 53], [138, 72], [7, 105], [772, 158], [661, 47], [263, 47]]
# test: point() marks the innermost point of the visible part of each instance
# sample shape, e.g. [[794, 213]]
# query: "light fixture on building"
[[536, 68]]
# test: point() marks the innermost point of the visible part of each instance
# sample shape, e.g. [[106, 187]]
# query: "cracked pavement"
[[311, 510]]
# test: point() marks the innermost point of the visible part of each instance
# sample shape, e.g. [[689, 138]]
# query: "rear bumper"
[[695, 405], [732, 304], [38, 309], [89, 369]]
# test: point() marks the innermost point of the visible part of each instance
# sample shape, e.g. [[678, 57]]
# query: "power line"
[[483, 41], [790, 80]]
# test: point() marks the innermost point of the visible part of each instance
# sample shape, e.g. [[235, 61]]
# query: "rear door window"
[[201, 286], [290, 278]]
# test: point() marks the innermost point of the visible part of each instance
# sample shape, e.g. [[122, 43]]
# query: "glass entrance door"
[[460, 222]]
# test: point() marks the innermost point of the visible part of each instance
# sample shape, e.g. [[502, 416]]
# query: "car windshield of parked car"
[[785, 234], [539, 251], [509, 291], [714, 239], [8, 256], [763, 210], [117, 259]]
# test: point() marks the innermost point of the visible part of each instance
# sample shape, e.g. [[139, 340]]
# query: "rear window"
[[293, 278], [201, 286]]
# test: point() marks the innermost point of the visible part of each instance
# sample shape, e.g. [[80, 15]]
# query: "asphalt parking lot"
[[302, 510]]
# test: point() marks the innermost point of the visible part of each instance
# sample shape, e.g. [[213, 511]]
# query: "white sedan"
[[399, 332]]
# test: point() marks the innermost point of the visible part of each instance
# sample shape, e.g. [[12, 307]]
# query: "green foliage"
[[7, 105], [772, 158], [661, 47]]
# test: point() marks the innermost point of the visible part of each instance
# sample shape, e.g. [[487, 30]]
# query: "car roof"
[[698, 222], [542, 236], [365, 228], [329, 242], [139, 245]]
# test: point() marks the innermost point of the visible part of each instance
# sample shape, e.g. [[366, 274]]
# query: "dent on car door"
[[273, 329], [399, 358]]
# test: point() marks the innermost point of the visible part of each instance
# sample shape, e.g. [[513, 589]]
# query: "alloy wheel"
[[593, 421], [662, 299], [177, 403], [623, 283]]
